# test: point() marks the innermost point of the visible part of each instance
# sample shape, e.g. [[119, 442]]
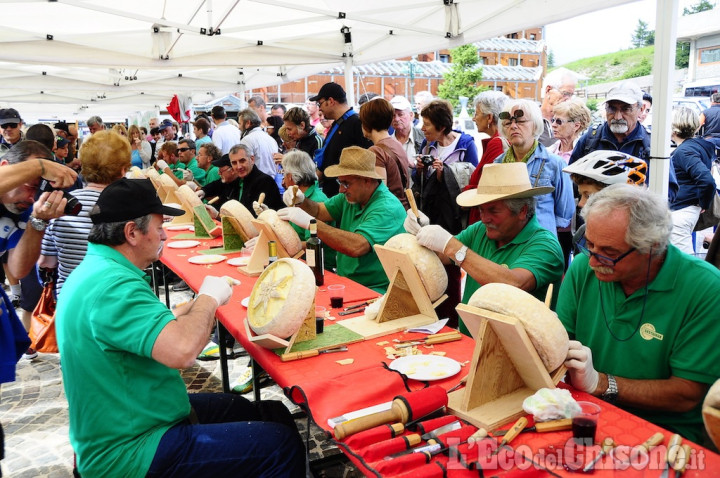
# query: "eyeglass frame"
[[508, 119], [566, 94], [344, 184], [627, 109], [182, 150], [604, 260], [561, 121]]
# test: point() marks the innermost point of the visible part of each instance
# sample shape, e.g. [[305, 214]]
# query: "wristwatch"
[[610, 395], [38, 224], [460, 255]]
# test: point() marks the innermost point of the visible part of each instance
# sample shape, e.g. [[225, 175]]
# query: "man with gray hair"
[[261, 145], [409, 137], [95, 124], [558, 86], [710, 121], [258, 105], [644, 335], [253, 181]]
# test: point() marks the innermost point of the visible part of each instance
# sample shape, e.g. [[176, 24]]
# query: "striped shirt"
[[67, 237]]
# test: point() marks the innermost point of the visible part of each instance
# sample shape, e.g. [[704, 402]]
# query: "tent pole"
[[349, 81]]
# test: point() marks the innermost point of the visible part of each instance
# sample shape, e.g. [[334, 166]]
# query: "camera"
[[427, 160], [73, 206]]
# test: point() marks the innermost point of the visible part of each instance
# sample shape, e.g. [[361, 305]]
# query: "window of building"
[[513, 35], [444, 58], [533, 36], [482, 60], [513, 62], [710, 55]]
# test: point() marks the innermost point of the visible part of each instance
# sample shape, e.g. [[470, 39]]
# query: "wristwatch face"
[[460, 254], [37, 224]]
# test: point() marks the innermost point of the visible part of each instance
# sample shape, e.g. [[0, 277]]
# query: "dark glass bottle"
[[272, 252], [314, 254]]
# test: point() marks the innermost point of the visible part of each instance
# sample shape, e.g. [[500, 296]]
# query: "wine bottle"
[[314, 254], [272, 252]]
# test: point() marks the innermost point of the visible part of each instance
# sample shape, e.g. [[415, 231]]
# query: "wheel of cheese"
[[281, 298], [283, 230], [235, 209], [167, 181], [430, 269], [136, 173], [711, 413], [712, 399], [542, 325], [187, 195]]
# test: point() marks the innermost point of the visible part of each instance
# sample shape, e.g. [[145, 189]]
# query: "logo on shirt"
[[647, 332]]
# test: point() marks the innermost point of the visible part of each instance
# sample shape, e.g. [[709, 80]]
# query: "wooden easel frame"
[[307, 331], [406, 303], [260, 255], [202, 221], [504, 371]]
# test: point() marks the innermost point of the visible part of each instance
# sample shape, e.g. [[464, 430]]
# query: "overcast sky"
[[601, 32]]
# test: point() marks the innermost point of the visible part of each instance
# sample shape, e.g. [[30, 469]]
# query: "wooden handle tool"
[[673, 449], [607, 444], [289, 357], [397, 413], [542, 427], [261, 199], [512, 433], [213, 200], [548, 296], [682, 459], [654, 440], [413, 205], [295, 191]]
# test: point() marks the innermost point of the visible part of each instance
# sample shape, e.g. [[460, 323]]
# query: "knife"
[[541, 427], [443, 429], [310, 353], [511, 434], [352, 311], [357, 306], [607, 445], [672, 454]]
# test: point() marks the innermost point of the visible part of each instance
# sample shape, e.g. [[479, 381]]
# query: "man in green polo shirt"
[[206, 154], [186, 154], [121, 348], [508, 245], [366, 211], [643, 314]]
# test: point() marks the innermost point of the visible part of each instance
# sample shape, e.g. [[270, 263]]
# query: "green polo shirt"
[[121, 401], [315, 194], [212, 174], [198, 172], [177, 169], [678, 333], [380, 219]]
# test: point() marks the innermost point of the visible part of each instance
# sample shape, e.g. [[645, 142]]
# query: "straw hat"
[[502, 181], [354, 161]]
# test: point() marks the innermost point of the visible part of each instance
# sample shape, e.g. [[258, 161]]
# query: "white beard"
[[619, 126]]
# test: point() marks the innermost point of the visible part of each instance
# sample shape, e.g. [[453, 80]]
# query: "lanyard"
[[320, 153]]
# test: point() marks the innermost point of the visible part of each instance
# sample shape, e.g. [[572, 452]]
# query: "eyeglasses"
[[182, 150], [343, 184], [607, 261], [623, 109], [560, 121], [9, 125], [320, 103], [566, 94], [508, 119]]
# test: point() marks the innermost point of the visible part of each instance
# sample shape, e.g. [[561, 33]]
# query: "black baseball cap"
[[223, 161], [9, 115], [62, 126], [128, 199], [330, 90]]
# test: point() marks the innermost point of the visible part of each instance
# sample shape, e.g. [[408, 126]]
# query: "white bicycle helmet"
[[610, 167]]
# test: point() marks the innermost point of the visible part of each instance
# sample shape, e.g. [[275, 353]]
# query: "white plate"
[[182, 227], [206, 259], [182, 244], [245, 302], [239, 261], [426, 367]]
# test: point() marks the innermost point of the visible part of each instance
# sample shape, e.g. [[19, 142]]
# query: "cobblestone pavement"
[[34, 415]]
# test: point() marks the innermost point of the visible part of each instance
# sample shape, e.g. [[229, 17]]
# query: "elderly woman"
[[299, 129], [141, 149], [522, 125], [105, 158], [570, 119], [692, 161], [488, 106]]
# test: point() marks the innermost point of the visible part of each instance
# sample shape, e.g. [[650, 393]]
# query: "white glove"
[[296, 216], [193, 185], [288, 196], [161, 164], [580, 366], [200, 193], [259, 208], [251, 243], [411, 222], [212, 211], [433, 237], [187, 175], [218, 288]]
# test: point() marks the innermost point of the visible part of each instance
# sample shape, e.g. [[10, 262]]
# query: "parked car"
[[697, 103]]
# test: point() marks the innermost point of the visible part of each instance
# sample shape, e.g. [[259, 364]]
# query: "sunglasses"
[[560, 122], [9, 125], [508, 119], [182, 150]]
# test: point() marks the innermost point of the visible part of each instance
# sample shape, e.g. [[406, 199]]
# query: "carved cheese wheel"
[[151, 173], [136, 173], [712, 399], [187, 195], [711, 413], [283, 230], [281, 298], [542, 325], [430, 269], [235, 209], [167, 181]]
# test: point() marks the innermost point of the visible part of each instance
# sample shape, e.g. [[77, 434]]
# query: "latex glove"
[[580, 366], [161, 164], [218, 288], [193, 185], [259, 208], [251, 243], [212, 211], [411, 223], [296, 216], [187, 175], [200, 193], [433, 237], [288, 196]]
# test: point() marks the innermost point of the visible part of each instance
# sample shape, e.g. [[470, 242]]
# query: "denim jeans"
[[234, 437]]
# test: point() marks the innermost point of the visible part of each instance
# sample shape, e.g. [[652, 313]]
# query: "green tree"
[[551, 59], [462, 78], [701, 6], [682, 55], [641, 35]]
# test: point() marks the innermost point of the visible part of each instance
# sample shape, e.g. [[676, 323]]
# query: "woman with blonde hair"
[[140, 148], [570, 119]]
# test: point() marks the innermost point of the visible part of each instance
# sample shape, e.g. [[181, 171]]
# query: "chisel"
[[511, 434], [682, 460], [672, 454], [607, 445], [541, 427], [310, 353]]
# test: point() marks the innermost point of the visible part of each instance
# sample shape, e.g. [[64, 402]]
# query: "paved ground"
[[34, 415]]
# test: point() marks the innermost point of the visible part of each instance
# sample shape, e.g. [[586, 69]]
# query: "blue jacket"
[[555, 209], [692, 161]]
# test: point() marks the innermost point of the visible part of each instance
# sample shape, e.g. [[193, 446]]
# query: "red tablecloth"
[[326, 389]]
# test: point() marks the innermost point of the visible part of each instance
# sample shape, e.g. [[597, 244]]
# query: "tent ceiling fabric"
[[140, 52]]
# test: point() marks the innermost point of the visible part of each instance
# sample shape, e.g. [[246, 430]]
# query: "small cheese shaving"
[[345, 361], [384, 342], [441, 354]]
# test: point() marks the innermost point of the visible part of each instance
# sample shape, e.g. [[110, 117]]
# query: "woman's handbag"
[[42, 324]]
